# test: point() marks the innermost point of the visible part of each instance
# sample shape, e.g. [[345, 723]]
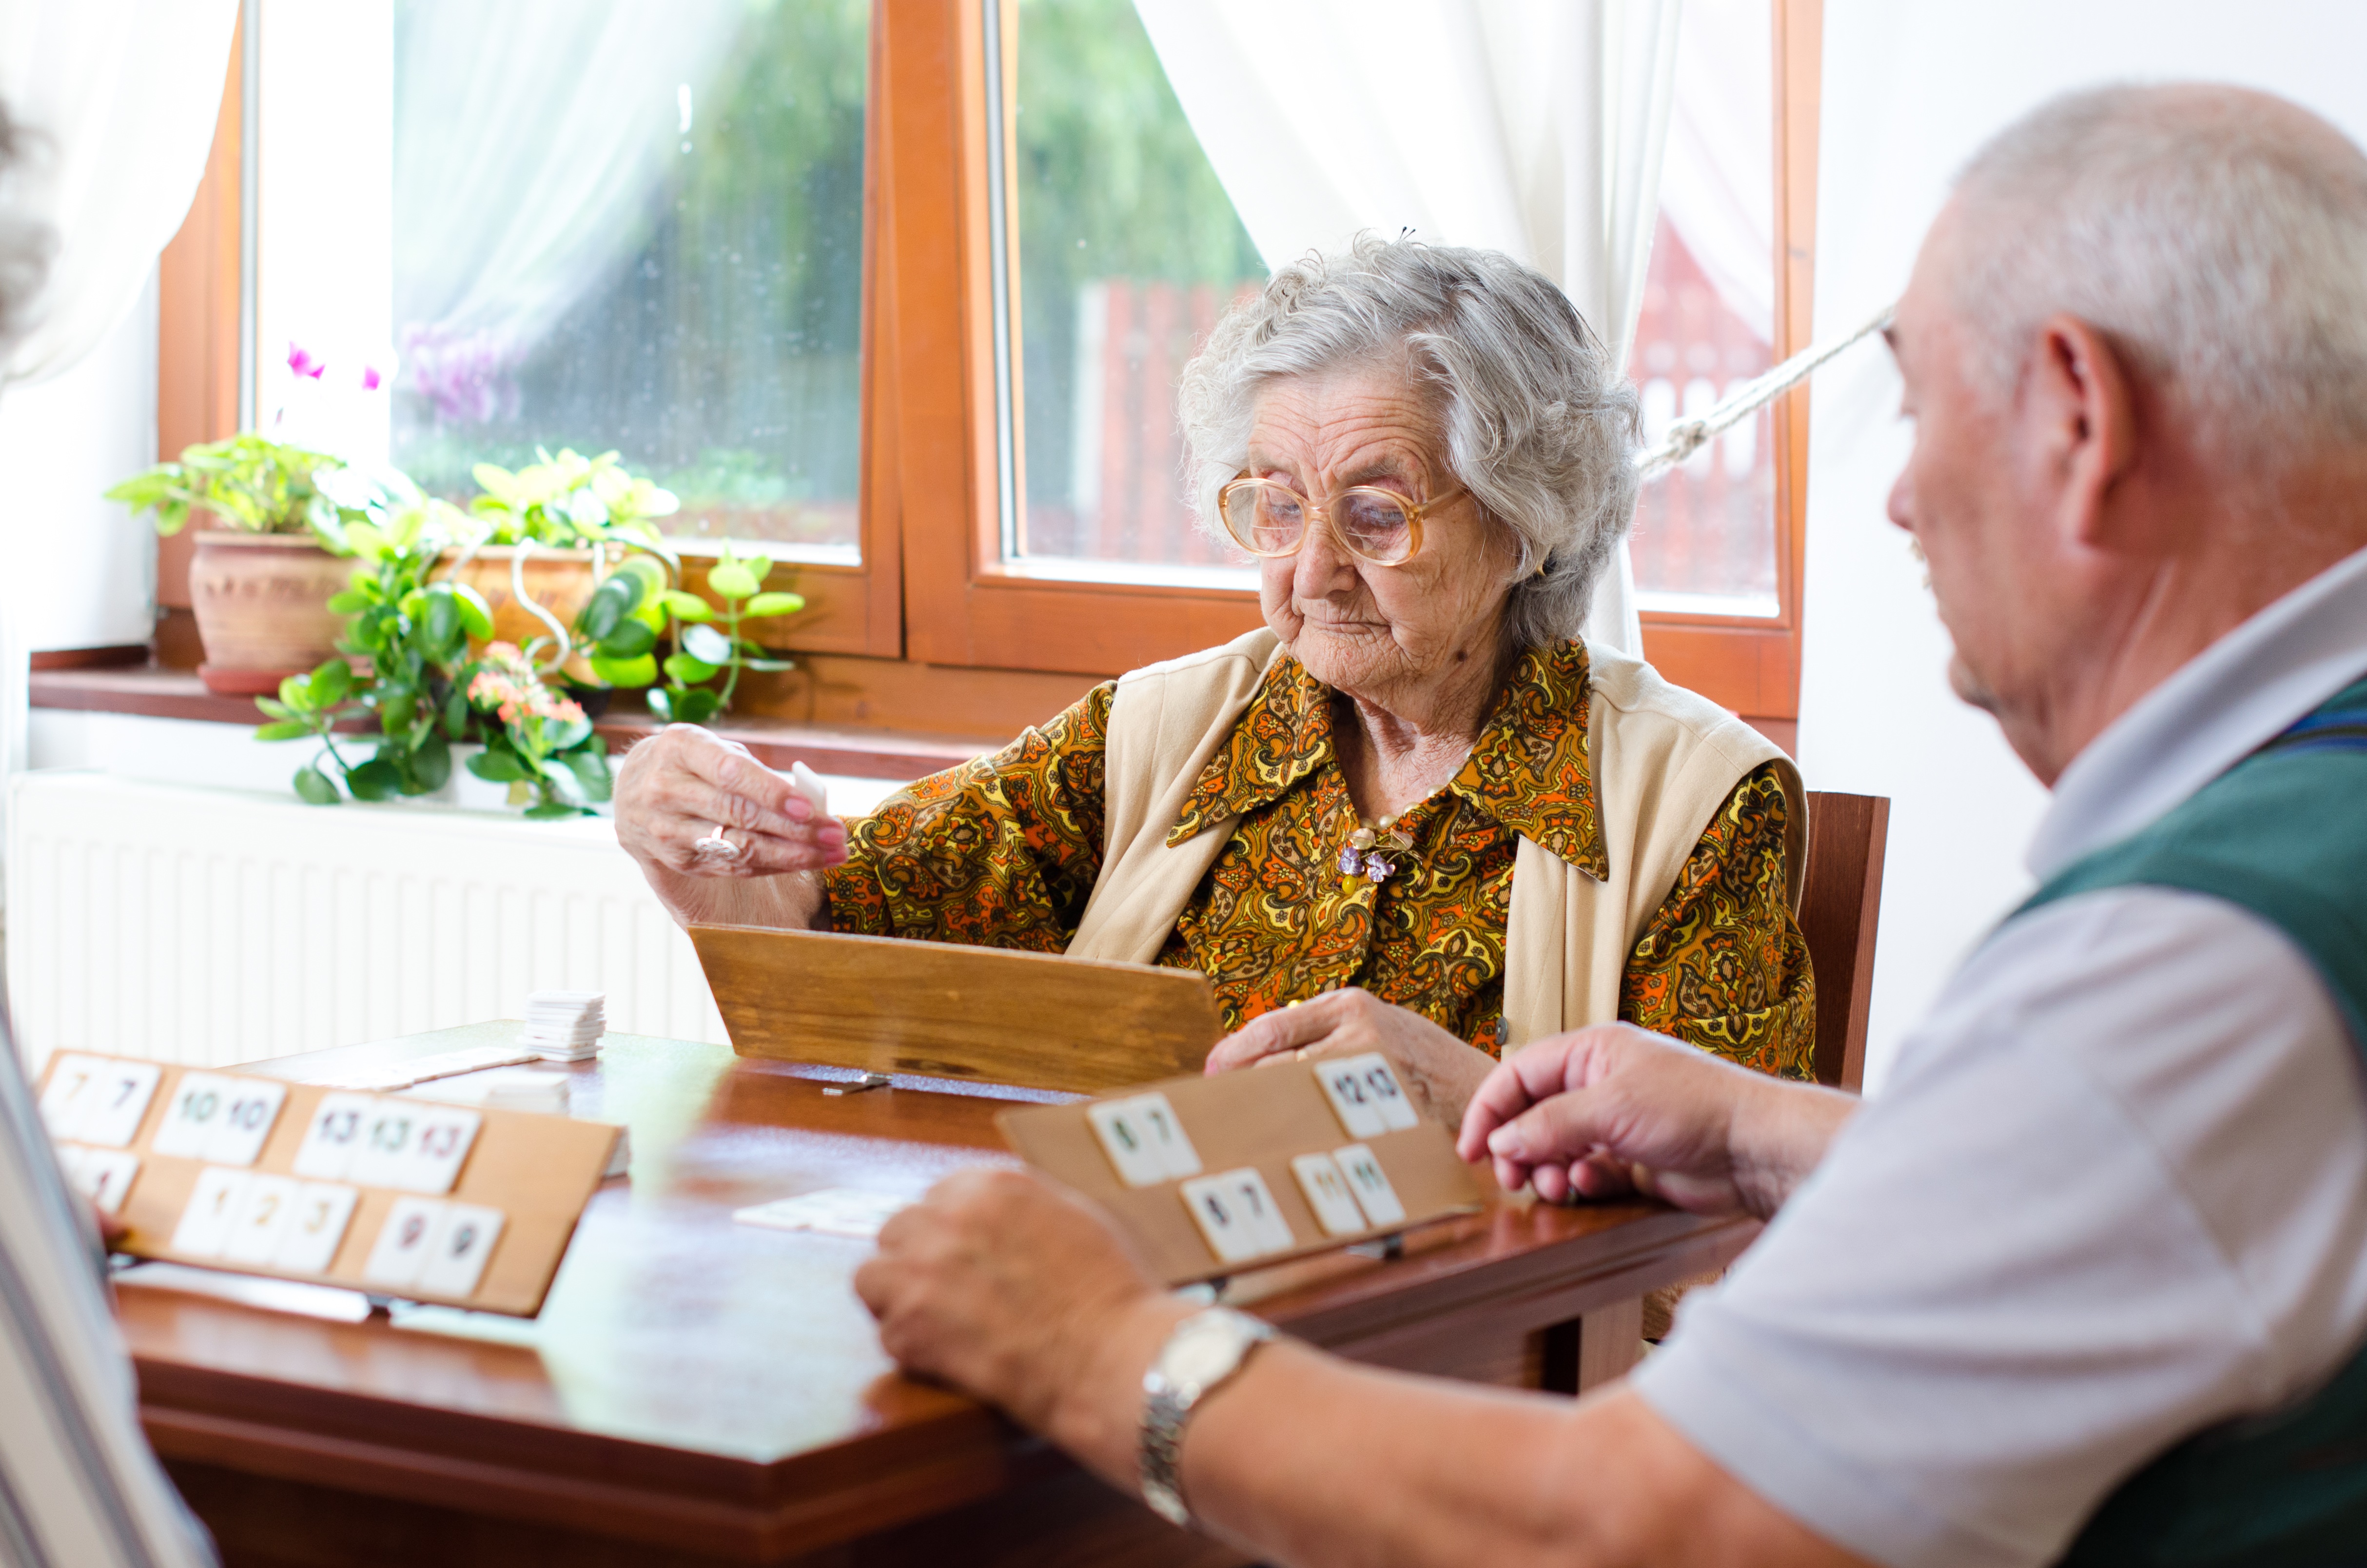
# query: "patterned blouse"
[[1003, 851]]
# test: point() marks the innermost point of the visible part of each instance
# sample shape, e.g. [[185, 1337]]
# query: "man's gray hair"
[[1540, 424], [2217, 236]]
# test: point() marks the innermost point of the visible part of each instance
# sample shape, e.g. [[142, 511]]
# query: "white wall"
[[1911, 90], [84, 571]]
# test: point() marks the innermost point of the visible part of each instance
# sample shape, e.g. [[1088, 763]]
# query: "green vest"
[[2283, 834]]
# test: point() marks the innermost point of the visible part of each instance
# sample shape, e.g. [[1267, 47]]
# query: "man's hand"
[[1439, 1071], [681, 783], [1016, 1290], [1612, 1109]]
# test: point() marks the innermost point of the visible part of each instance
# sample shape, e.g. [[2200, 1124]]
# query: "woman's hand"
[[679, 786], [1613, 1109], [1439, 1071]]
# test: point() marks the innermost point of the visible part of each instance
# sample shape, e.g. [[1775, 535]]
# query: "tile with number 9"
[[400, 1250], [457, 1253]]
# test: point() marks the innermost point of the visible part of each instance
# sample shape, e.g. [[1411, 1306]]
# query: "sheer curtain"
[[530, 136], [1718, 187], [119, 97], [1533, 127]]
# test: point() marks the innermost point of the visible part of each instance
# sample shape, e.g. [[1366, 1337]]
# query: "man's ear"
[[2081, 400]]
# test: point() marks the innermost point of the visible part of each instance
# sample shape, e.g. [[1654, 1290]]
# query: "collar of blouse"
[[1528, 769]]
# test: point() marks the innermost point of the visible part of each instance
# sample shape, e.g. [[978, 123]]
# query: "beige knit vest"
[[1664, 760]]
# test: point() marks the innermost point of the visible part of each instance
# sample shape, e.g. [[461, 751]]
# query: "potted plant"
[[427, 689], [554, 531], [263, 577]]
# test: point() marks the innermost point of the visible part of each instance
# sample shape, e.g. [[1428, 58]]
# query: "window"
[[902, 289], [1129, 251], [649, 240]]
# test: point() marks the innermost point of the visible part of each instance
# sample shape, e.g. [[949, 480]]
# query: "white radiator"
[[216, 926]]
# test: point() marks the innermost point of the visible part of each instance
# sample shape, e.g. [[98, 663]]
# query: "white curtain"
[[523, 167], [1717, 187], [1533, 127], [120, 98]]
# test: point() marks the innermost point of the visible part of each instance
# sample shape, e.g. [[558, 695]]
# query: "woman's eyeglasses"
[[1268, 517]]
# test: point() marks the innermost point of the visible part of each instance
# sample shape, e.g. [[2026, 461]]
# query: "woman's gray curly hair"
[[1540, 424]]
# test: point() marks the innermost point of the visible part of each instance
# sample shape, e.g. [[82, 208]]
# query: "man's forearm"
[[1311, 1460]]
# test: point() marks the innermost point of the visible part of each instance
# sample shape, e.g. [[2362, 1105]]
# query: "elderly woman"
[[1414, 802]]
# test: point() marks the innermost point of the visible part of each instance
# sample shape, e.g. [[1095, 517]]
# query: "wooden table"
[[697, 1392]]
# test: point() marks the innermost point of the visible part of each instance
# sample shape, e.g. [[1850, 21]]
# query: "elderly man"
[[2117, 1193]]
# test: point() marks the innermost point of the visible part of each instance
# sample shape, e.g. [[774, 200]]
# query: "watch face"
[[1204, 1349]]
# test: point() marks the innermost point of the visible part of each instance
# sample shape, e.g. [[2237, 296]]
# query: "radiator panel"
[[212, 926]]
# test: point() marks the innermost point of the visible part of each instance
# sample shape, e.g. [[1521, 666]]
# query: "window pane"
[[1129, 250], [1705, 537], [636, 226]]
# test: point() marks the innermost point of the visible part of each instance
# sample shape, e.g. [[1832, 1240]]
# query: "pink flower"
[[370, 377], [301, 363]]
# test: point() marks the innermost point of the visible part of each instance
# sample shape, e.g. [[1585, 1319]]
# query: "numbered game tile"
[[1128, 1143], [400, 1250], [329, 1139], [1343, 1084], [1266, 1220], [214, 1205], [1389, 1096], [383, 1153], [62, 1098], [263, 1217], [457, 1253], [246, 1121], [309, 1246], [1232, 1231], [114, 1105], [199, 1100], [1167, 1135], [1329, 1195], [105, 1176], [1371, 1185]]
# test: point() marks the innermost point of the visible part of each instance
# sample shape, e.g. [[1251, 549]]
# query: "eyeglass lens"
[[1271, 519]]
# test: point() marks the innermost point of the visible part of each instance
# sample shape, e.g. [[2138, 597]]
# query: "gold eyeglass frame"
[[1414, 511]]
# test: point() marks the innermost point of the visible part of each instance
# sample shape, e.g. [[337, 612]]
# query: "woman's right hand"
[[682, 783]]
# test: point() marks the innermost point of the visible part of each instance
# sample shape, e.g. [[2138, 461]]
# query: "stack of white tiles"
[[216, 926]]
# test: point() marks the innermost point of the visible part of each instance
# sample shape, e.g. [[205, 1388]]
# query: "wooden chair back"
[[1841, 900]]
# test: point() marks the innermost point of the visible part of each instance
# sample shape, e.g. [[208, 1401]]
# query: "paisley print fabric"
[[1003, 851]]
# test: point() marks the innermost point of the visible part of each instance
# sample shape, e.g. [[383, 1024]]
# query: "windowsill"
[[864, 754]]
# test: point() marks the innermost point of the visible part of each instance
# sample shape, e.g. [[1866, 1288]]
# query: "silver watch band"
[[1203, 1352]]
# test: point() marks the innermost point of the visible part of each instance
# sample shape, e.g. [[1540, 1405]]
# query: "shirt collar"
[[1529, 769], [2217, 709]]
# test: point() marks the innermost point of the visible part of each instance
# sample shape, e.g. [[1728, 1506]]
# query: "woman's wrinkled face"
[[1386, 634]]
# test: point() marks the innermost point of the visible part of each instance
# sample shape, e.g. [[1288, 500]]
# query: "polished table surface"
[[697, 1391]]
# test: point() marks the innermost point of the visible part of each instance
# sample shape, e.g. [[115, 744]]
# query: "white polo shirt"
[[2114, 1192]]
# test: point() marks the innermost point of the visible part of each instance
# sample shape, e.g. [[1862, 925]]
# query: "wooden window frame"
[[1752, 666], [935, 609]]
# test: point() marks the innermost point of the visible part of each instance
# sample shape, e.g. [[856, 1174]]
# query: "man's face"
[[1963, 494]]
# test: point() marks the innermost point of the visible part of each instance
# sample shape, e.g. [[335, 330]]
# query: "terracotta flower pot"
[[561, 581], [262, 604]]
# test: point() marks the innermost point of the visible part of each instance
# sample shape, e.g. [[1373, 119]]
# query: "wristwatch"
[[1205, 1349]]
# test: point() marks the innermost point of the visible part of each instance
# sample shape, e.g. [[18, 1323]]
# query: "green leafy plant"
[[543, 748], [427, 693], [571, 500], [627, 614], [254, 484]]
